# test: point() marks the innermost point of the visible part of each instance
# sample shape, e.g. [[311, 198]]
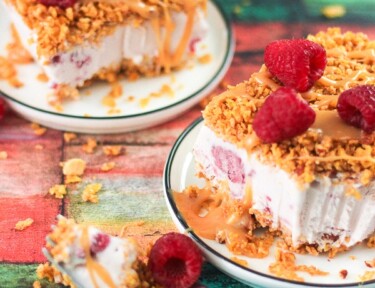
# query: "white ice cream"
[[319, 212], [82, 62], [117, 259]]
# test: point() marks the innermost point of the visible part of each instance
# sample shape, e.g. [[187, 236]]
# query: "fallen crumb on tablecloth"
[[90, 193], [37, 129], [39, 147], [72, 179], [59, 191], [68, 137], [114, 150], [3, 155], [90, 146], [108, 166], [74, 167], [23, 224]]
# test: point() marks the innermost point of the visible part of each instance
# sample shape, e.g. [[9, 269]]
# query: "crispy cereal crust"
[[350, 62]]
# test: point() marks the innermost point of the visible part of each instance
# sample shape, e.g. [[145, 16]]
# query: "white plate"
[[190, 86], [179, 173]]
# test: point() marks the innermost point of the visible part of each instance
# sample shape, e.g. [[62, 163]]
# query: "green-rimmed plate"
[[89, 115], [179, 173]]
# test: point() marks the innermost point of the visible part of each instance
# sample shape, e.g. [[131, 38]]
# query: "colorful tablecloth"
[[131, 200]]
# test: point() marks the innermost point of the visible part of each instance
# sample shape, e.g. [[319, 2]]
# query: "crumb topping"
[[23, 224], [350, 59], [37, 129]]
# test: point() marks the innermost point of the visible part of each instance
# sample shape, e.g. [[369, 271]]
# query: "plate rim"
[[224, 66], [169, 198]]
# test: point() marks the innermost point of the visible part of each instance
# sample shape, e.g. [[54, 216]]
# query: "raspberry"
[[356, 107], [229, 163], [296, 63], [283, 115], [99, 243], [2, 108], [175, 261], [63, 4]]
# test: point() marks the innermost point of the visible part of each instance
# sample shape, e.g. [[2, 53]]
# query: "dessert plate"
[[179, 173], [136, 109]]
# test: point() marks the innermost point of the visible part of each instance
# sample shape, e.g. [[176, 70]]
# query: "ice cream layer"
[[322, 212], [128, 42], [93, 258]]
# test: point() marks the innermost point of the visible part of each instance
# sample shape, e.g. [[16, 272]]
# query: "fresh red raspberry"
[[283, 115], [175, 261], [99, 243], [63, 4], [2, 108], [356, 107], [296, 63]]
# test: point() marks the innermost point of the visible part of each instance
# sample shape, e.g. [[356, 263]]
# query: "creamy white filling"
[[82, 62], [117, 259], [319, 212]]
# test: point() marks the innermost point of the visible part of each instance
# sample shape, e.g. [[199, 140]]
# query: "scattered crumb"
[[205, 59], [108, 166], [367, 276], [131, 98], [87, 92], [239, 261], [59, 191], [42, 77], [68, 137], [333, 11], [22, 225], [108, 102], [370, 263], [90, 192], [58, 107], [114, 111], [165, 90], [39, 147], [90, 146], [72, 179], [113, 150], [353, 257], [38, 130], [74, 166], [37, 284], [8, 72], [116, 90], [87, 115], [3, 155], [343, 274], [285, 267]]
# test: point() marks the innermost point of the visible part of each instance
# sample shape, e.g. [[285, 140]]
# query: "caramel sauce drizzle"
[[94, 268], [206, 213]]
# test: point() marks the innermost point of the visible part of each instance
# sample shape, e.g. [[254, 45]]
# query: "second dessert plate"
[[179, 173], [135, 109]]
